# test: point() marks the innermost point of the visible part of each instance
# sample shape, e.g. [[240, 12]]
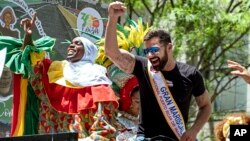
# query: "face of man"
[[75, 50], [156, 53]]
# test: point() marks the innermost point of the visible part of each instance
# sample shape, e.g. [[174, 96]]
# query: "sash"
[[166, 102]]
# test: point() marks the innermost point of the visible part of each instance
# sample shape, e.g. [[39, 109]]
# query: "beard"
[[162, 62], [161, 65]]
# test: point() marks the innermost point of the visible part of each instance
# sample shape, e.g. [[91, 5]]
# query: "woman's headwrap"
[[84, 72], [125, 83], [90, 50], [126, 93]]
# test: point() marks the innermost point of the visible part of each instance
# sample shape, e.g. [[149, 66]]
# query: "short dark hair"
[[164, 36], [136, 89]]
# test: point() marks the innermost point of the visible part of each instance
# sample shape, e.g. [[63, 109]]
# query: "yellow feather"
[[134, 39]]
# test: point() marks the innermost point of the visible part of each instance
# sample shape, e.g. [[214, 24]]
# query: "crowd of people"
[[77, 95]]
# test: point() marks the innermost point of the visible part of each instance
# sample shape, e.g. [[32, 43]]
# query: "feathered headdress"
[[129, 36]]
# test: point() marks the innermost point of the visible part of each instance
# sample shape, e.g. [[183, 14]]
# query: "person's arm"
[[239, 70], [121, 58], [28, 25], [204, 104]]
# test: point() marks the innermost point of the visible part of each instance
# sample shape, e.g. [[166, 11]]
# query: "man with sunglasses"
[[166, 86]]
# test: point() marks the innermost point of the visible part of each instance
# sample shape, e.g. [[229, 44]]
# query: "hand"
[[189, 135], [239, 70], [116, 9], [28, 24]]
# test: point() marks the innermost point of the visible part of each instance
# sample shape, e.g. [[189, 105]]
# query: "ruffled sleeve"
[[19, 60]]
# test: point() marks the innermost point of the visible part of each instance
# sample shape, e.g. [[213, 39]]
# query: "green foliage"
[[208, 33], [137, 4]]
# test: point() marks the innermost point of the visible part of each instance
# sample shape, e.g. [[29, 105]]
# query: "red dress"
[[88, 110]]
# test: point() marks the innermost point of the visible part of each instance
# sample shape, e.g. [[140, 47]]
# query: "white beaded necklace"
[[129, 116]]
